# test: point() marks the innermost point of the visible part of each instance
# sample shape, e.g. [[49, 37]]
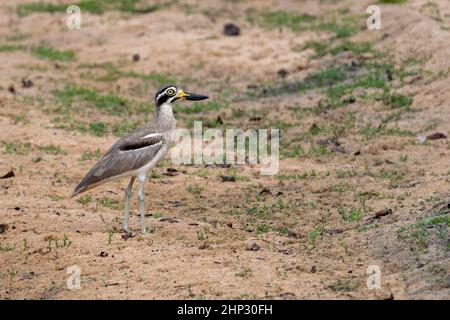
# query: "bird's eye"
[[170, 92]]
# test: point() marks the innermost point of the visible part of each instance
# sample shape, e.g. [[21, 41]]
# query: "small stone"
[[253, 247], [436, 136], [283, 73], [3, 228], [27, 83], [230, 29], [136, 57], [7, 175], [421, 139], [313, 269], [168, 219]]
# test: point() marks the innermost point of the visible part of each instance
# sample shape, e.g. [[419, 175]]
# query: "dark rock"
[[382, 213], [436, 136], [265, 190], [313, 269], [27, 83], [168, 219], [7, 175], [136, 57], [12, 89], [230, 29], [128, 235], [283, 73], [103, 254], [3, 228], [253, 247], [228, 178], [203, 247]]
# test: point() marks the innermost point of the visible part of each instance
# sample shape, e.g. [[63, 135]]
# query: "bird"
[[139, 151]]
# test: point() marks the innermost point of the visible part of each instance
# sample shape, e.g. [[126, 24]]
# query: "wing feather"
[[124, 156]]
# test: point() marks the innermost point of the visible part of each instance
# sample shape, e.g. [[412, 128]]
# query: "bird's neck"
[[164, 113]]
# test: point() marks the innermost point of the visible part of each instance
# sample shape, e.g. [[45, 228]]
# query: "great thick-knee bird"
[[138, 152]]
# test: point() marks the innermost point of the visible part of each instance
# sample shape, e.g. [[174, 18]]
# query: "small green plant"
[[262, 228], [88, 155], [85, 199], [49, 53], [19, 148], [109, 203], [194, 189], [420, 233], [353, 214], [11, 48], [343, 285], [98, 129], [245, 273], [52, 149]]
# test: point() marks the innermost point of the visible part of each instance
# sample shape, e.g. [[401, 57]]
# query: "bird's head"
[[171, 94]]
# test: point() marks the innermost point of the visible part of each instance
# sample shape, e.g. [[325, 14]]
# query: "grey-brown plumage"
[[138, 152], [127, 155]]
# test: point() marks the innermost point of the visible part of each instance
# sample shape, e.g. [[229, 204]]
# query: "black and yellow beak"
[[190, 96]]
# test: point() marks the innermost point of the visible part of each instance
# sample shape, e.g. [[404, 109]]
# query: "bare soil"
[[309, 232]]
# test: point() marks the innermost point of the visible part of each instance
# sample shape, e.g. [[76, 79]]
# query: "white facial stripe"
[[151, 135]]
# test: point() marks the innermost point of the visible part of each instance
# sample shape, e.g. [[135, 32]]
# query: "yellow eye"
[[170, 92]]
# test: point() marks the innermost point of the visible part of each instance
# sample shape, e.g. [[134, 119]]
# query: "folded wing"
[[124, 156]]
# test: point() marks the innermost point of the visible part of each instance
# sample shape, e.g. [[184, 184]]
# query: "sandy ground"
[[309, 232]]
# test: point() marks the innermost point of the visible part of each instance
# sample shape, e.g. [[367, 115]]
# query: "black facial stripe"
[[162, 99]]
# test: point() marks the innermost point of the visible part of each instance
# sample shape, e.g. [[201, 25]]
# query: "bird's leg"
[[141, 202], [127, 203]]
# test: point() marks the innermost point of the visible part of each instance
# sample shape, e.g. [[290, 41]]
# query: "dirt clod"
[[3, 228], [253, 247], [436, 136], [230, 29], [7, 175]]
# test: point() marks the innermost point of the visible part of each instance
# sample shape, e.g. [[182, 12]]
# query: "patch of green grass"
[[297, 176], [19, 148], [122, 128], [98, 129], [194, 189], [261, 212], [109, 102], [109, 203], [355, 47], [11, 48], [395, 101], [320, 47], [341, 26], [112, 73], [52, 149], [27, 8], [420, 233], [279, 19], [343, 285], [318, 151], [49, 53], [19, 118], [200, 107], [262, 228], [88, 155], [85, 199], [294, 152], [244, 273], [327, 77], [351, 215], [91, 6]]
